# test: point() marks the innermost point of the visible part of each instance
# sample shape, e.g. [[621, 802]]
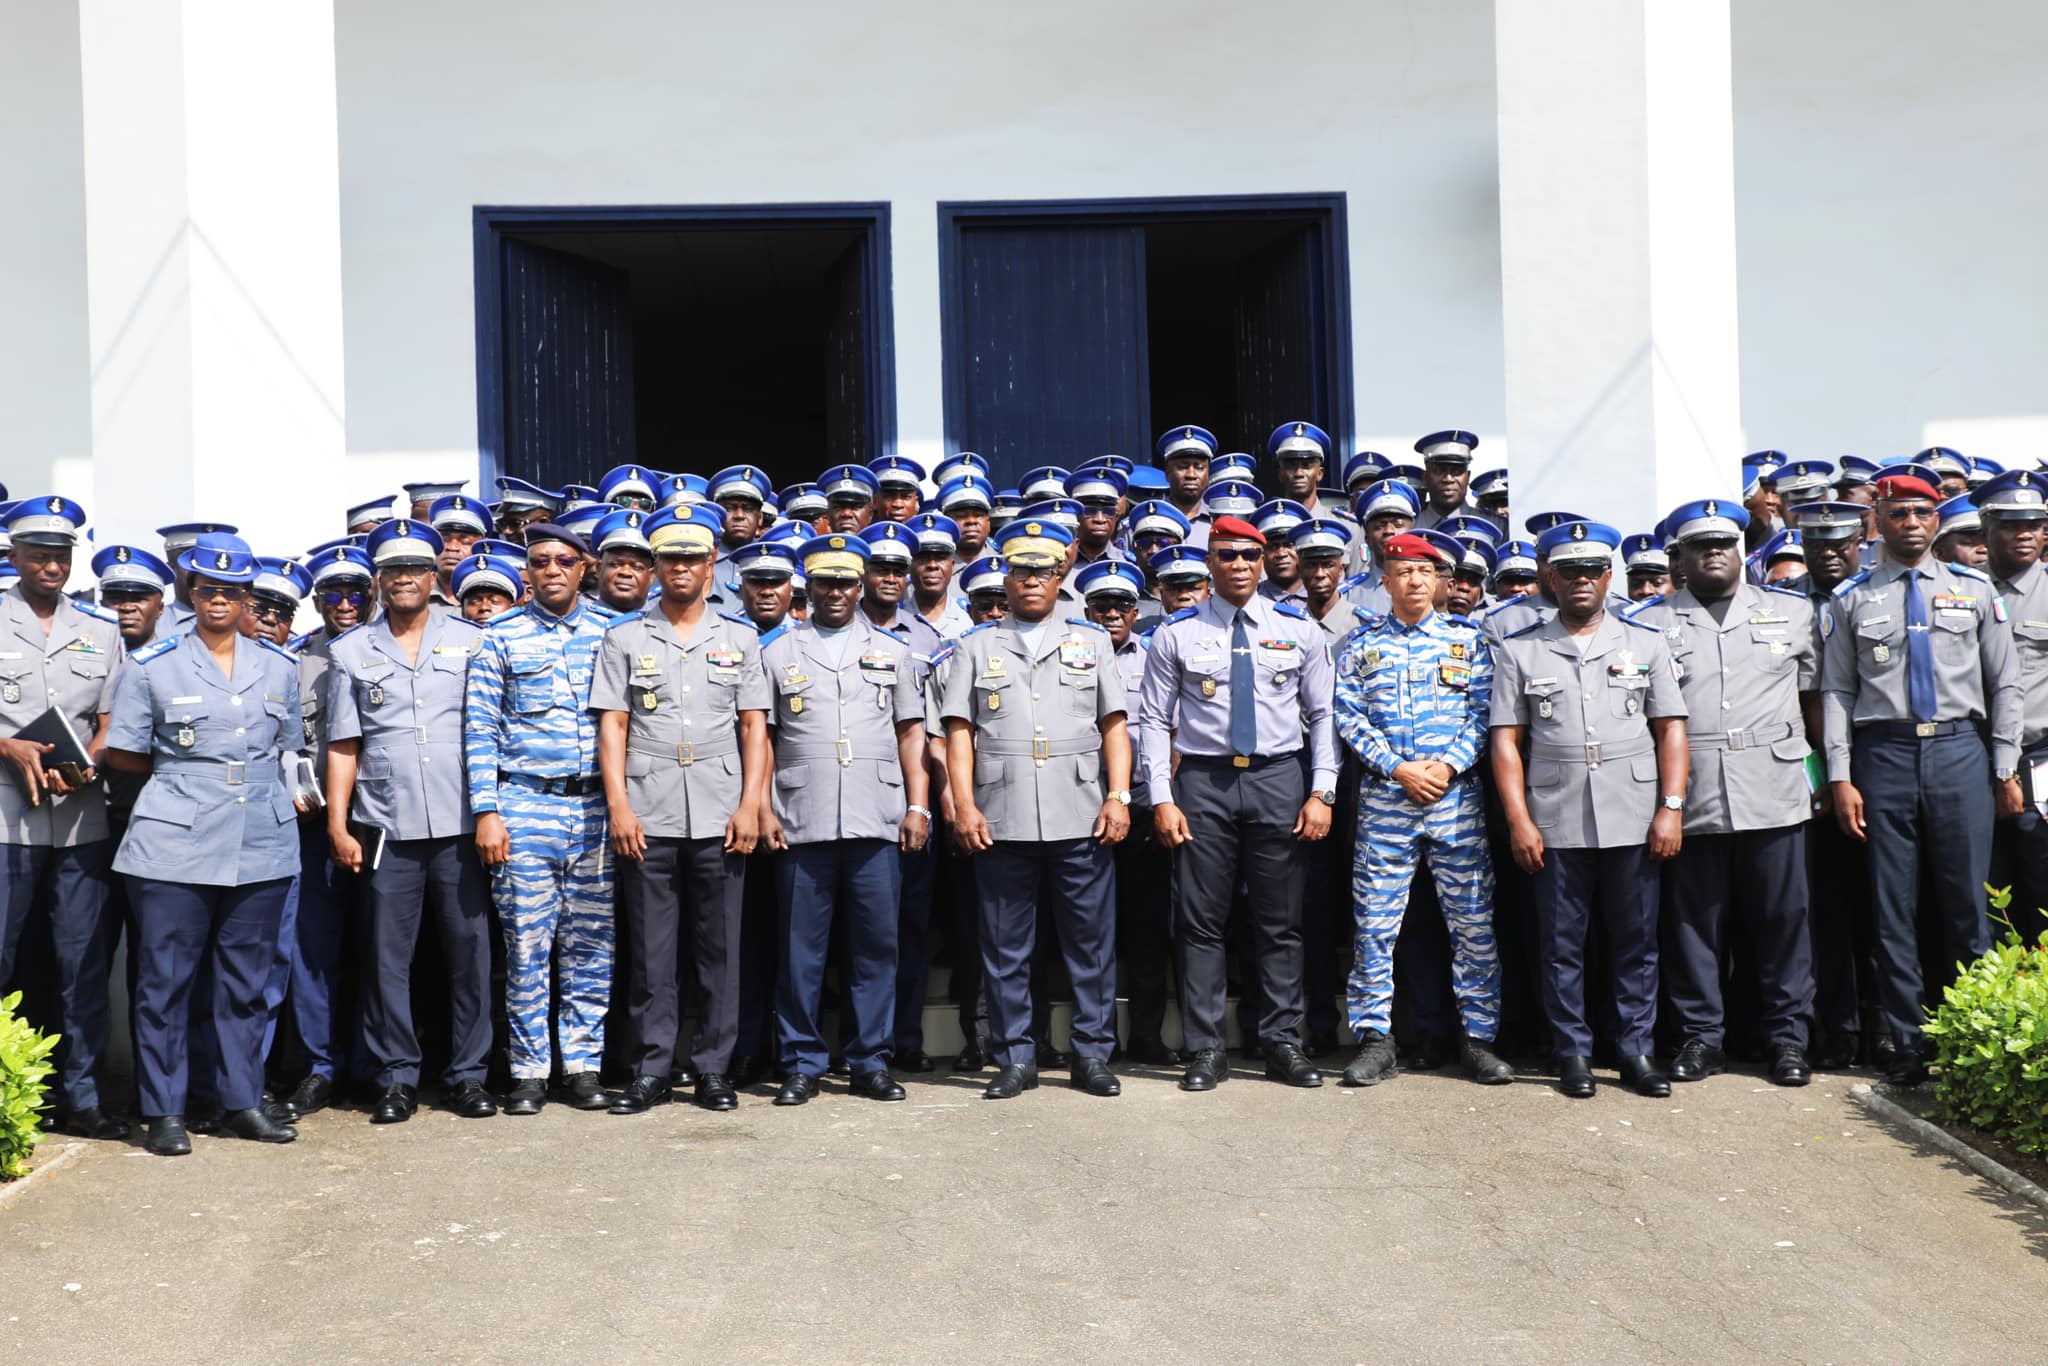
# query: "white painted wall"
[[625, 101]]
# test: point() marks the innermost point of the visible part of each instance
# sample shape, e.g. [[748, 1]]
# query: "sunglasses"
[[269, 611], [344, 597], [1032, 575], [891, 570], [1583, 569], [116, 596], [1252, 554], [553, 561], [1921, 512], [232, 592]]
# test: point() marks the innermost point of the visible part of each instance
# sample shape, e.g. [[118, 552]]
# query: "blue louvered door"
[[568, 352]]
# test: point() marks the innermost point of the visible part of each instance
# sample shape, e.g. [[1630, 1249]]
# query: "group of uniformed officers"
[[693, 760]]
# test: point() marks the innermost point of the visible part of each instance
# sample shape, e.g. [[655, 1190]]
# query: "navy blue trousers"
[[73, 883], [1924, 801], [1617, 889], [1144, 928], [325, 997], [225, 938], [1077, 881], [1757, 877], [913, 945], [446, 875], [759, 935], [857, 883]]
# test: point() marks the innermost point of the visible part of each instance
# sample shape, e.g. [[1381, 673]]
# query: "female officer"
[[212, 843]]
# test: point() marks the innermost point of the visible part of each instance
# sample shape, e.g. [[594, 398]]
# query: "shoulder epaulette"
[[1969, 571], [739, 618], [1639, 625], [1788, 592], [298, 643], [1523, 629], [604, 614], [625, 617], [1461, 622], [1855, 580], [1367, 618], [355, 628], [95, 611], [982, 627], [1498, 608], [1182, 615], [944, 653], [505, 618], [1083, 621], [1287, 607], [773, 633], [153, 649], [1354, 581], [1647, 603], [276, 648]]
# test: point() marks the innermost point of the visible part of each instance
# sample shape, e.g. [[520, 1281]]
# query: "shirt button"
[[686, 687], [240, 800], [236, 701], [1034, 697], [1039, 729], [426, 758], [1725, 706], [686, 722], [241, 730], [1587, 696]]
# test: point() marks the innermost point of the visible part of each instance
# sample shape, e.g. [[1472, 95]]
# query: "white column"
[[1617, 231], [213, 267]]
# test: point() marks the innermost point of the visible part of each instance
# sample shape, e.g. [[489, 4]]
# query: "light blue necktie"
[[1244, 718]]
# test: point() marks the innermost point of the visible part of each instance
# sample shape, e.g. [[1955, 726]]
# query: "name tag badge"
[[1200, 660]]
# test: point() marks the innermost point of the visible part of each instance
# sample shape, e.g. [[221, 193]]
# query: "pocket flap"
[[187, 709], [1643, 768], [86, 666], [987, 770], [1546, 773], [1792, 748], [793, 777], [157, 802]]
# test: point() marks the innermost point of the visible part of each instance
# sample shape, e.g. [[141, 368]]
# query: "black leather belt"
[[577, 785], [1917, 730], [1241, 761]]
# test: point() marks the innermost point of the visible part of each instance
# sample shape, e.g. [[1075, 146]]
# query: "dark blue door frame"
[[491, 223], [1323, 211]]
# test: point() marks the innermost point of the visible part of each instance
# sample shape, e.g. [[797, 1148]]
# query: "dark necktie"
[[1244, 720], [1919, 651]]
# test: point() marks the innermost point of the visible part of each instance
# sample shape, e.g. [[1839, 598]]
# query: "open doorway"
[[682, 339], [1075, 329]]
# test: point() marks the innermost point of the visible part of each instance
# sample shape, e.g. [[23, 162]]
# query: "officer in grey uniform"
[[1236, 688], [1034, 712], [63, 654], [1597, 803], [683, 747], [212, 844], [2015, 521], [1747, 658], [394, 696], [1447, 477], [1915, 663], [850, 796]]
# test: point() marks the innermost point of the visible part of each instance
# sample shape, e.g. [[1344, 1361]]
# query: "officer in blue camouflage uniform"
[[1412, 699], [530, 742], [58, 652]]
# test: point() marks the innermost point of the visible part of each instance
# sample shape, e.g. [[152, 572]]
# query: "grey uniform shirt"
[[1037, 724], [1429, 516], [2026, 611], [313, 661], [1742, 677], [838, 773], [1130, 668], [1592, 763], [407, 714], [1186, 700], [1864, 657], [683, 700], [216, 811], [73, 668]]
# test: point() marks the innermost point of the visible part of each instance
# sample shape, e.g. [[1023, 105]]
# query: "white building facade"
[[254, 265]]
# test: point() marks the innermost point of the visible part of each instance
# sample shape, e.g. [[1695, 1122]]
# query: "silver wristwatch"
[[1674, 803]]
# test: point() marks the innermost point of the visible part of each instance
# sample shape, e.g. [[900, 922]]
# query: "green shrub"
[[24, 1068], [1991, 1039]]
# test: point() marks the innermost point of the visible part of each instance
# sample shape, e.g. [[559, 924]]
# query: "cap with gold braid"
[[834, 557], [1033, 543], [685, 529]]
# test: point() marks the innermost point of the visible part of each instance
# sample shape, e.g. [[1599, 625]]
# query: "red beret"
[[1235, 529], [1903, 486], [1409, 546]]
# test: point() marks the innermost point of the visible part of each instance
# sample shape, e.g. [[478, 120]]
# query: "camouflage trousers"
[[554, 895], [1394, 835]]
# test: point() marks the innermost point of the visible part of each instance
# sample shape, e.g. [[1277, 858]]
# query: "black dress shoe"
[[1575, 1077], [584, 1091], [836, 1067], [682, 1076], [797, 1088], [1048, 1056], [255, 1124], [1426, 1053], [1286, 1062], [1011, 1081], [280, 1111], [914, 1060], [315, 1093], [396, 1105], [1838, 1054], [748, 1069], [971, 1059], [167, 1136], [1208, 1068], [1484, 1065], [1374, 1062], [877, 1086], [642, 1094], [93, 1122], [1908, 1067], [1154, 1053], [1788, 1066], [1696, 1061], [1321, 1044], [1253, 1050], [1642, 1074], [1093, 1076], [1881, 1052], [714, 1092], [204, 1118], [470, 1100], [526, 1097]]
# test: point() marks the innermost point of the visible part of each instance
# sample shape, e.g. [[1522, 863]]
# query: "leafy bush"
[[1991, 1038], [24, 1066]]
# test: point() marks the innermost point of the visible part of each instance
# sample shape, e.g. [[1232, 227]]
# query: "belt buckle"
[[1738, 738], [419, 735], [1041, 750], [686, 753], [1593, 755], [843, 750], [238, 772], [1924, 730], [1240, 761]]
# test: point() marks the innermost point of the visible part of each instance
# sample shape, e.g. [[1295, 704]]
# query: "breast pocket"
[[2030, 638], [179, 724], [1772, 647], [1955, 634], [88, 675], [1279, 666], [1078, 686], [793, 699], [1626, 694], [373, 692], [1542, 696], [280, 713], [532, 684], [992, 698], [1877, 642]]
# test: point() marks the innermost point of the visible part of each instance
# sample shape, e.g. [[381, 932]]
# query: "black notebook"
[[53, 728], [371, 837]]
